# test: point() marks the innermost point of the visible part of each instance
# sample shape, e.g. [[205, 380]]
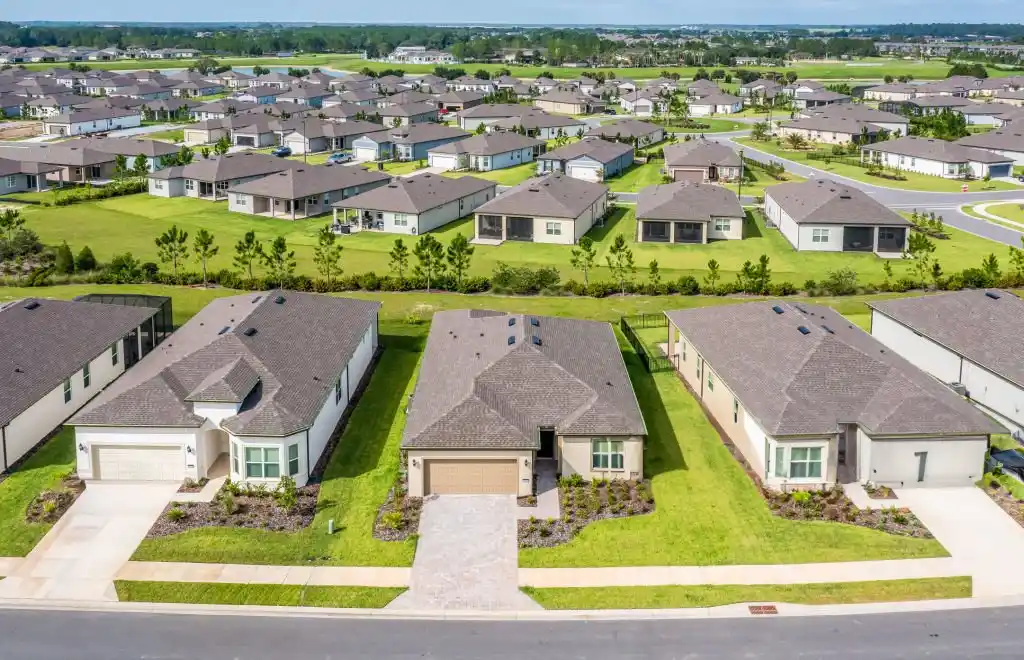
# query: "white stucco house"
[[716, 104], [254, 384], [968, 340], [949, 160], [96, 120]]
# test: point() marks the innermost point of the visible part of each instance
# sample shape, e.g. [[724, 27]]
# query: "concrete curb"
[[725, 612]]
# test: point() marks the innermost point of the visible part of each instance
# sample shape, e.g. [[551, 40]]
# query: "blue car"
[[281, 152], [339, 157]]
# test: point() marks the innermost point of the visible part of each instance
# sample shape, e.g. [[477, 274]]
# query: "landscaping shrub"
[[176, 514], [522, 279]]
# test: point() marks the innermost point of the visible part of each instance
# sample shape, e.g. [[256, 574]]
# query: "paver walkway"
[[468, 556], [83, 552], [547, 494]]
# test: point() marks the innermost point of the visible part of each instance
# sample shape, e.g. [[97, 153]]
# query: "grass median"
[[203, 593]]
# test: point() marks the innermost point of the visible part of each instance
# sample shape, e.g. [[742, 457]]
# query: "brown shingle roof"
[[416, 194], [825, 202], [687, 201], [552, 196], [488, 144], [700, 153]]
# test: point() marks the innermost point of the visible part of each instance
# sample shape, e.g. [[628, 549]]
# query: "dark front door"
[[858, 239], [712, 173], [847, 459], [130, 348], [547, 443]]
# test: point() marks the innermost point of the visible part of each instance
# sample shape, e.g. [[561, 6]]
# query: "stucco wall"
[[949, 462], [94, 436], [735, 231], [418, 458], [575, 457]]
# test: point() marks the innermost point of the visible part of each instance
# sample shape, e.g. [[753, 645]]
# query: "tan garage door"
[[470, 476], [140, 463], [693, 176]]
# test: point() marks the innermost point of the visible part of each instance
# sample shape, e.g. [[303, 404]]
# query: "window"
[[262, 463], [913, 162], [780, 461], [804, 462], [86, 376], [820, 235], [158, 184], [886, 234], [553, 229], [711, 382], [401, 220], [94, 172], [607, 454], [293, 460], [735, 410], [684, 351], [67, 391], [114, 354], [240, 199], [722, 224], [190, 184], [234, 458], [337, 391], [12, 180], [698, 367]]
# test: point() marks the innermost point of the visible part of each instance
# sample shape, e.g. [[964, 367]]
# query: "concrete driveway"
[[83, 552], [468, 556]]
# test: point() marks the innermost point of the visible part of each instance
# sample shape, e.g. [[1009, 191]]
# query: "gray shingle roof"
[[625, 128], [825, 202], [230, 166], [700, 153], [834, 124], [494, 110], [90, 114], [537, 119], [308, 180], [416, 194], [407, 110], [807, 384], [552, 196], [282, 373], [937, 150], [603, 151], [475, 390], [688, 202], [41, 347], [488, 144], [1003, 139], [984, 330]]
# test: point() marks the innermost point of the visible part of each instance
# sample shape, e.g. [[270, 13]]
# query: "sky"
[[618, 12]]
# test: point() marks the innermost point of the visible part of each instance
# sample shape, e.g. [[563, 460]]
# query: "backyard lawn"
[[914, 181], [394, 167], [171, 135], [676, 596], [510, 176], [757, 180], [637, 177], [281, 595], [714, 126], [42, 471]]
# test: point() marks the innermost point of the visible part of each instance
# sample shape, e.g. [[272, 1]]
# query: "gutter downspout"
[[309, 468], [3, 439]]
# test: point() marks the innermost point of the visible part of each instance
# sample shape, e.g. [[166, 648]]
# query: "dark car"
[[281, 152]]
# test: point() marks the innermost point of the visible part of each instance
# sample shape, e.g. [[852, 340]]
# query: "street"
[[45, 635]]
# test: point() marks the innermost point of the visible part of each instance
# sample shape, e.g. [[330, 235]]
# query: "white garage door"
[[584, 173], [364, 153], [447, 162], [156, 463]]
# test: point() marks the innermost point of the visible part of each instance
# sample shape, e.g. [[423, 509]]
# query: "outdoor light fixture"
[[415, 463], [81, 447], [526, 462], [188, 449]]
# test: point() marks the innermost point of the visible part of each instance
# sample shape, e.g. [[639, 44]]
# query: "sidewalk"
[[338, 576], [982, 210]]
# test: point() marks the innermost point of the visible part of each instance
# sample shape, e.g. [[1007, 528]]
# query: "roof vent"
[[511, 340], [537, 341], [534, 322], [224, 329], [804, 330], [249, 332], [256, 299], [279, 300], [777, 309], [32, 304], [828, 329], [511, 321], [991, 294]]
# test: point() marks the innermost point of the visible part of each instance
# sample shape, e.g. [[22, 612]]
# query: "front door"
[[847, 454], [547, 443]]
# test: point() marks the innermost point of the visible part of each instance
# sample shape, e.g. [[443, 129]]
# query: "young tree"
[[990, 266], [1017, 261], [172, 248], [919, 249], [140, 166], [654, 273], [11, 222], [64, 261], [204, 249], [399, 258], [247, 251], [620, 262], [430, 254], [714, 274], [887, 271], [204, 152], [222, 146], [279, 261], [85, 261], [583, 258], [458, 256], [936, 274], [327, 254], [762, 274], [759, 131], [120, 166], [185, 155]]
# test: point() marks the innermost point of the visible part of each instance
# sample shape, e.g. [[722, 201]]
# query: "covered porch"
[[290, 209], [881, 240], [671, 231], [496, 229], [353, 221]]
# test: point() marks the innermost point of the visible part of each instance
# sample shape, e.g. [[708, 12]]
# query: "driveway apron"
[[79, 557], [467, 557]]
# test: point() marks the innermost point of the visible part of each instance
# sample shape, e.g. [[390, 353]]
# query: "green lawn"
[[300, 61], [665, 597], [42, 471], [361, 471], [715, 126], [757, 180], [395, 167], [637, 177], [284, 595], [510, 176], [171, 135], [1011, 211], [914, 181]]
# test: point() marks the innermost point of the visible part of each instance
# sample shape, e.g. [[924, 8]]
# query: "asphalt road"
[[46, 635]]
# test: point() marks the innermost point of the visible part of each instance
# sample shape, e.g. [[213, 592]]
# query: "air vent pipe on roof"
[[804, 330], [993, 295], [249, 332], [32, 304]]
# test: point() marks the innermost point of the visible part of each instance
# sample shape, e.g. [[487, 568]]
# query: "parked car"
[[339, 157], [607, 111], [281, 152]]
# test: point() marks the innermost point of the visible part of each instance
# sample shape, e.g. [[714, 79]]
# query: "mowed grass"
[[914, 180], [714, 126], [757, 180], [362, 469], [42, 471], [283, 595], [637, 177], [171, 135], [676, 596], [1011, 211], [509, 176]]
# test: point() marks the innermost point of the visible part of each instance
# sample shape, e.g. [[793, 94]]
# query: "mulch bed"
[[880, 492], [1005, 499], [527, 500], [582, 503], [253, 511], [390, 527], [41, 511], [193, 486], [834, 506]]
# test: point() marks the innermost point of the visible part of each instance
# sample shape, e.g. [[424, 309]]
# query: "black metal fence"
[[829, 157], [651, 362]]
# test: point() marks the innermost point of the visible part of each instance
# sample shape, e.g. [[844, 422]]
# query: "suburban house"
[[1007, 142], [485, 152], [310, 95], [253, 384], [345, 111], [644, 103], [811, 400], [263, 130], [897, 125], [56, 356], [63, 163], [167, 109], [896, 92], [803, 87], [405, 98], [210, 178], [819, 99], [497, 393], [97, 120], [831, 130], [130, 147], [762, 88], [968, 340], [234, 79], [414, 205], [1015, 98], [49, 106], [364, 96], [702, 161], [405, 142], [457, 101], [702, 87], [543, 84], [985, 114], [412, 113], [572, 102], [302, 192], [211, 130], [541, 125], [938, 158], [273, 79], [715, 104], [631, 131], [315, 135], [20, 176], [471, 84], [590, 159], [926, 105], [823, 215], [488, 113], [551, 209], [687, 212], [191, 89], [261, 95], [221, 108]]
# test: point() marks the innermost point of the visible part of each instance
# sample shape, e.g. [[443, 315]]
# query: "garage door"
[[365, 153], [244, 141], [139, 463], [694, 176], [449, 477], [447, 162], [999, 170], [584, 173]]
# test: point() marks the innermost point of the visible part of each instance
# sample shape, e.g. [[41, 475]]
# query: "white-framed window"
[[293, 460], [327, 198], [723, 224], [262, 462], [234, 458], [711, 381], [606, 454], [684, 351], [735, 410], [115, 354], [798, 462], [158, 184], [820, 235], [913, 162], [337, 390], [553, 228], [12, 180], [190, 184], [240, 199], [86, 376], [401, 220], [67, 391]]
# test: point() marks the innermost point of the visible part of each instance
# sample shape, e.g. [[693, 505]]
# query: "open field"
[[716, 595], [299, 61], [281, 595]]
